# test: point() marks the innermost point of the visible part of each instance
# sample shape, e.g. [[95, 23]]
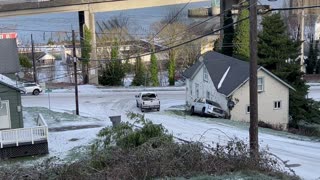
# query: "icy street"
[[101, 103]]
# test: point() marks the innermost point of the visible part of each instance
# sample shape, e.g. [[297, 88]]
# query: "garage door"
[[5, 122]]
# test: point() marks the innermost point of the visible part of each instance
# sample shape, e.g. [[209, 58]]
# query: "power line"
[[171, 21], [292, 8], [180, 44], [223, 13]]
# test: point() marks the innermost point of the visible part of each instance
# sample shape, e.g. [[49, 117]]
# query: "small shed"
[[10, 104]]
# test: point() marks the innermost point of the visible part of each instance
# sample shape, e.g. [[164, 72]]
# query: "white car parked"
[[148, 100], [204, 107], [32, 88]]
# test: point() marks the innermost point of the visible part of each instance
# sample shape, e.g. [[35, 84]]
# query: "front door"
[[5, 122]]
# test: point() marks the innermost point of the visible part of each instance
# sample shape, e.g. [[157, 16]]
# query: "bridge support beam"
[[87, 18]]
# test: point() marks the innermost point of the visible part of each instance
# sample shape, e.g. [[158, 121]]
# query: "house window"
[[205, 74], [190, 86], [248, 109], [208, 95], [197, 90], [277, 105], [260, 84]]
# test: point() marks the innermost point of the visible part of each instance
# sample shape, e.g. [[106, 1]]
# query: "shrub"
[[309, 129]]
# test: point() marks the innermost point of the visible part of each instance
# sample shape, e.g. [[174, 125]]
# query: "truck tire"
[[142, 110], [137, 104], [36, 92], [192, 110], [202, 112]]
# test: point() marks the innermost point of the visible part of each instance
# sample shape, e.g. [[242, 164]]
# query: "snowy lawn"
[[98, 104]]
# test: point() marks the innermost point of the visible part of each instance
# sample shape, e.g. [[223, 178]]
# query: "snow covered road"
[[101, 105]]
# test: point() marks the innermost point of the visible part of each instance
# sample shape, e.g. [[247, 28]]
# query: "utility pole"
[[302, 39], [33, 61], [253, 131], [75, 71]]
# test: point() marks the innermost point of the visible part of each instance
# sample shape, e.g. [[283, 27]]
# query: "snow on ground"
[[90, 89], [61, 143], [66, 131], [314, 91], [99, 104]]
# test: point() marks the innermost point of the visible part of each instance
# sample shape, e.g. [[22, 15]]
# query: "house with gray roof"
[[225, 80], [9, 58]]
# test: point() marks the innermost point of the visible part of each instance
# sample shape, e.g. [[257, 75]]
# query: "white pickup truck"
[[148, 100]]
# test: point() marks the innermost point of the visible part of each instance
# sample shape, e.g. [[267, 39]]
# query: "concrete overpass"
[[93, 6], [85, 9]]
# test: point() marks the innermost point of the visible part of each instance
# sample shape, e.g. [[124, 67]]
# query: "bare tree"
[[170, 31]]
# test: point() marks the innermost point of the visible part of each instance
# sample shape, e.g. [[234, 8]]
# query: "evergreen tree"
[[277, 52], [140, 76], [50, 42], [126, 66], [85, 53], [312, 59], [241, 39], [154, 70], [228, 35], [275, 46], [316, 52], [215, 46], [172, 67], [24, 61], [113, 73]]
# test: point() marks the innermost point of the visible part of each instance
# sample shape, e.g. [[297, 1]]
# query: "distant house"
[[9, 59], [46, 59], [225, 80], [41, 58], [10, 104]]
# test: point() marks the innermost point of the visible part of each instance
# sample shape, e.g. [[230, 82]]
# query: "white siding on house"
[[273, 91], [205, 88]]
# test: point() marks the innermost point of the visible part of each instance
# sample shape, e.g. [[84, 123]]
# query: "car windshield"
[[148, 96], [213, 103]]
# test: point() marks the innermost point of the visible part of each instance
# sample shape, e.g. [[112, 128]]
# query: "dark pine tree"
[[172, 67], [277, 52], [228, 35], [154, 70], [114, 72], [241, 39], [316, 52], [140, 76], [311, 62]]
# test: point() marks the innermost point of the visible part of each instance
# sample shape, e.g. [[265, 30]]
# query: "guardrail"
[[25, 135]]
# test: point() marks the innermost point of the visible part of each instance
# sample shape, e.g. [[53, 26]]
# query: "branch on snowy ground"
[[202, 135], [285, 163]]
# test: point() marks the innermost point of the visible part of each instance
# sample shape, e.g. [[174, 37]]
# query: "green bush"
[[126, 135], [309, 129]]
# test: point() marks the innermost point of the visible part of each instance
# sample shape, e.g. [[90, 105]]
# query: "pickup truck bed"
[[148, 100]]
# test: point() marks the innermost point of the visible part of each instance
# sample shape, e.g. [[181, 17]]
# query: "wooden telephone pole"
[[33, 61], [253, 131], [75, 71]]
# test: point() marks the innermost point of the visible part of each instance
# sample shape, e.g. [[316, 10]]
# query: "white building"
[[225, 79]]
